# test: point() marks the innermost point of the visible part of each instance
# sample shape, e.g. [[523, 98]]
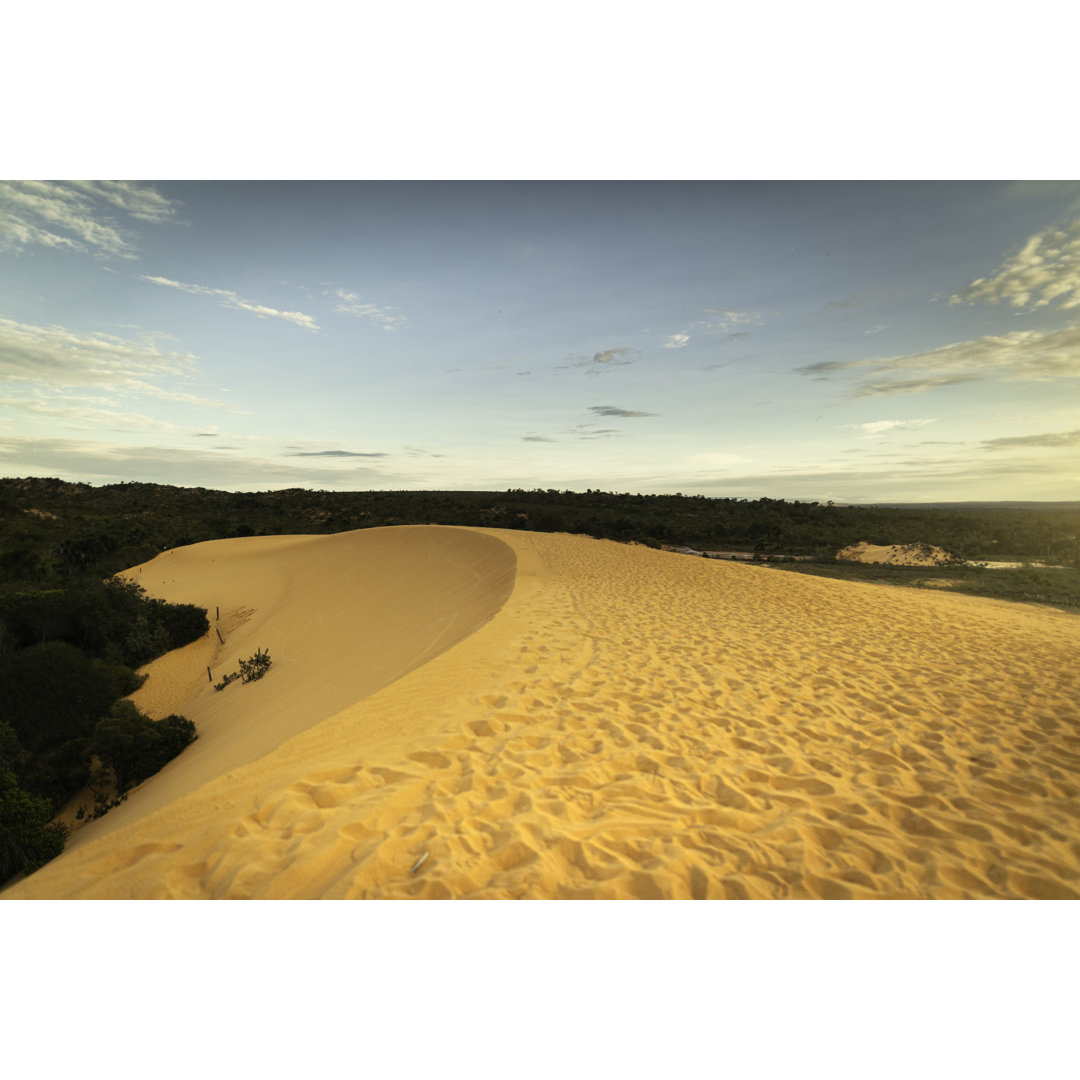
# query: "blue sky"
[[861, 342]]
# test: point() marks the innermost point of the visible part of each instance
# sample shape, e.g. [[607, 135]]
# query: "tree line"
[[52, 528]]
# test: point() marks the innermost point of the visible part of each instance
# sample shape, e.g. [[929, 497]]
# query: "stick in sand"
[[419, 862]]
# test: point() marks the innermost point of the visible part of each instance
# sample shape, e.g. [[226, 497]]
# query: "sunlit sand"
[[469, 713]]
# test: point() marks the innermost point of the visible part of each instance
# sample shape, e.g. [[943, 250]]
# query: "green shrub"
[[51, 693], [12, 755], [145, 641], [57, 773], [28, 838], [134, 747], [183, 622], [254, 667]]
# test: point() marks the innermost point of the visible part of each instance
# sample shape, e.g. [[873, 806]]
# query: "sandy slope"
[[630, 723]]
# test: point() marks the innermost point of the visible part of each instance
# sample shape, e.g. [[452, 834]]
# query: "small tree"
[[254, 667]]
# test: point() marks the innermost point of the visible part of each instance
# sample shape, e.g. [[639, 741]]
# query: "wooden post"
[[217, 614], [219, 637], [209, 677]]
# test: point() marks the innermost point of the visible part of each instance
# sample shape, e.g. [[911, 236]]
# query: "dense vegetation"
[[50, 527], [70, 640]]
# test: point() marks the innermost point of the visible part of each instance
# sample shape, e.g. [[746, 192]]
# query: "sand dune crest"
[[341, 615]]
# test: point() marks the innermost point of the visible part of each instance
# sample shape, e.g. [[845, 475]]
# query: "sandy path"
[[638, 724]]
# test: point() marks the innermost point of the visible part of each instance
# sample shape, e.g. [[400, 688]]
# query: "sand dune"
[[625, 723], [341, 615]]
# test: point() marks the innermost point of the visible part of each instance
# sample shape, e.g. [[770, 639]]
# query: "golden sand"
[[554, 716]]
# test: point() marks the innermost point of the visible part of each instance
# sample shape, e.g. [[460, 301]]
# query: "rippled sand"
[[554, 716]]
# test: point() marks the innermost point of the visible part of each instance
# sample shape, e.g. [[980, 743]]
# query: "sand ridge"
[[342, 616], [635, 724]]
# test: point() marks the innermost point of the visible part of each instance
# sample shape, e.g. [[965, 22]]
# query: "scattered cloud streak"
[[1047, 268], [605, 358], [78, 215], [334, 454], [877, 428], [612, 356], [1020, 356], [588, 431], [104, 462], [731, 319], [57, 356], [229, 299], [78, 412], [676, 341], [1052, 440], [611, 410], [852, 301], [351, 304]]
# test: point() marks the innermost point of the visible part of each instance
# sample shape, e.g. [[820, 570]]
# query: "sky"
[[859, 342]]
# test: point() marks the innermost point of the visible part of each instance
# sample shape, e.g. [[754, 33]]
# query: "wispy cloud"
[[1047, 268], [351, 304], [1052, 440], [612, 356], [599, 361], [81, 413], [895, 479], [851, 302], [676, 341], [95, 460], [229, 299], [611, 410], [536, 438], [335, 454], [730, 319], [57, 356], [1019, 356], [588, 431], [139, 200], [877, 428], [78, 215]]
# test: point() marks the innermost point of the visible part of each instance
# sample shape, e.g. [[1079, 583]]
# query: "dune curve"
[[637, 724], [342, 616]]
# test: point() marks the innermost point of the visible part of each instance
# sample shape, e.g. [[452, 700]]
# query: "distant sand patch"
[[896, 554]]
